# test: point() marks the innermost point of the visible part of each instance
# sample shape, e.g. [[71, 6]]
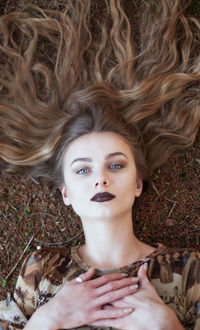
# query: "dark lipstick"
[[102, 197]]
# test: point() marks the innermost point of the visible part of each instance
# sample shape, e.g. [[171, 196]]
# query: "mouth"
[[102, 197]]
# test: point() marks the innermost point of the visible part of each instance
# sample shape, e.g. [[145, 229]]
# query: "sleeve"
[[197, 323], [191, 289], [11, 317], [14, 313], [176, 276]]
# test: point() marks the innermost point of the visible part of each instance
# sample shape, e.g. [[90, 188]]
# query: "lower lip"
[[103, 199]]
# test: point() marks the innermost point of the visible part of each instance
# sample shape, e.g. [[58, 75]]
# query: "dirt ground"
[[32, 213]]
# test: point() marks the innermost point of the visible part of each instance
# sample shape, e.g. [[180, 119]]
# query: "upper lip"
[[102, 197]]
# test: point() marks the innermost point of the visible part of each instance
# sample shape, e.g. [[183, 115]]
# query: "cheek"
[[72, 186], [129, 181], [77, 195]]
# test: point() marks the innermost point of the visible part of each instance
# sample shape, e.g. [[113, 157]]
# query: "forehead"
[[97, 144]]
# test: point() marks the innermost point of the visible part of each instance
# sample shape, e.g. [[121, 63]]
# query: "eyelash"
[[79, 171], [86, 170], [118, 166]]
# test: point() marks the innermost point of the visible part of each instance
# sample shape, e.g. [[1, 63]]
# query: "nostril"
[[102, 183]]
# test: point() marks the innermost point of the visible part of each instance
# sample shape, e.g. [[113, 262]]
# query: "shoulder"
[[42, 262], [44, 265], [175, 273], [180, 257], [182, 261]]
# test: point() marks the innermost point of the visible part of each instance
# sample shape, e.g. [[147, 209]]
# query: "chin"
[[106, 213]]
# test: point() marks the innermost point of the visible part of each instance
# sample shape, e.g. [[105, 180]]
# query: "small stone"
[[169, 222]]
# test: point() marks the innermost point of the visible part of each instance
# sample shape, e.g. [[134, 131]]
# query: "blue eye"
[[116, 166], [82, 171]]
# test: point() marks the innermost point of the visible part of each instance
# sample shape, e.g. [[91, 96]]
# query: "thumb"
[[85, 276], [142, 274]]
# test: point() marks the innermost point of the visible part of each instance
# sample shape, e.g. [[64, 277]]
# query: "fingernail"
[[91, 268], [128, 310], [132, 287], [124, 274], [145, 266], [135, 279]]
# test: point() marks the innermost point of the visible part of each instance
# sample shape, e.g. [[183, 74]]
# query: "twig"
[[60, 243], [170, 200], [14, 208], [26, 208], [44, 213], [33, 179], [12, 270], [170, 212], [4, 215], [194, 227], [156, 190], [7, 220], [161, 194]]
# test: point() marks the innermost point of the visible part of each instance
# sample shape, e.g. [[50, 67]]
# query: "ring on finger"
[[78, 279]]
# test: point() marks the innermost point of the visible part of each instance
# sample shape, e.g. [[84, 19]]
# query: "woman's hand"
[[149, 311], [77, 304]]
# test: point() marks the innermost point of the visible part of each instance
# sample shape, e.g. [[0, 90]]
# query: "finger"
[[120, 304], [111, 296], [85, 276], [142, 274], [111, 313], [108, 278], [106, 307], [117, 284], [106, 323]]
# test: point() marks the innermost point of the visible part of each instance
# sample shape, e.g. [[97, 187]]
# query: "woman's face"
[[100, 178]]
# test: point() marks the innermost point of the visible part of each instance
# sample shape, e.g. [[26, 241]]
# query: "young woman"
[[90, 125], [98, 165]]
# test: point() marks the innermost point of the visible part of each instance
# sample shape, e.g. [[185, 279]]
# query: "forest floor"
[[32, 213]]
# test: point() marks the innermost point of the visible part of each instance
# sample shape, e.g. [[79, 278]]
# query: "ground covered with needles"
[[32, 213]]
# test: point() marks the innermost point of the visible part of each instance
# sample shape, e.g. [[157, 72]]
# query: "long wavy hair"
[[55, 61]]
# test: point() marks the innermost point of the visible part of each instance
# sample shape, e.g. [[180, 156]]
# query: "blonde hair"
[[93, 113], [153, 82]]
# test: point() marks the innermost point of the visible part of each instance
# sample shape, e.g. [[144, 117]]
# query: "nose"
[[102, 180]]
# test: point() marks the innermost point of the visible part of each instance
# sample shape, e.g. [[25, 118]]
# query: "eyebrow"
[[86, 159], [81, 160], [115, 154]]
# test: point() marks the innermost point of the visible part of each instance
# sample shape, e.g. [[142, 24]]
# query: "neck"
[[111, 243]]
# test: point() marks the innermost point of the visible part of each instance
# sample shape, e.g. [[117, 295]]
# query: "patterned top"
[[175, 273]]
